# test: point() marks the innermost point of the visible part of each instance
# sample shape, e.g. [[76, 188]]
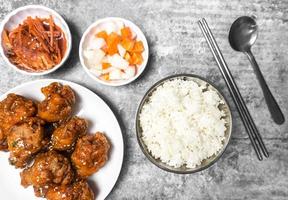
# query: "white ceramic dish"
[[17, 16], [100, 117], [91, 31]]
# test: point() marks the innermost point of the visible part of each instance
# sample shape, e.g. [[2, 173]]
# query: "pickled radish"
[[130, 72], [112, 43], [127, 56], [134, 36], [121, 50], [116, 74], [118, 62], [102, 34], [138, 47], [127, 44], [105, 77], [109, 27], [126, 33], [115, 53], [105, 65], [94, 57], [96, 43], [136, 59], [95, 71], [99, 72]]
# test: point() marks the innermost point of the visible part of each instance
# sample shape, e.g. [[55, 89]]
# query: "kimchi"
[[36, 45]]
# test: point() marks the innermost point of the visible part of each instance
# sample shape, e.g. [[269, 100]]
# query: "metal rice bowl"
[[206, 162]]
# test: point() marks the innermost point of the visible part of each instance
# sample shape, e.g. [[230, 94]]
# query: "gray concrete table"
[[177, 46]]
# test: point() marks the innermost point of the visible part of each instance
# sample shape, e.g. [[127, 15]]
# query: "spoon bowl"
[[243, 33]]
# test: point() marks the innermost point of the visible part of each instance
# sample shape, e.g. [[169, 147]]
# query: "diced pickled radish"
[[115, 53], [126, 33], [99, 72], [88, 54], [118, 62], [105, 77], [96, 43], [127, 56], [138, 47], [98, 66], [112, 42], [116, 74], [119, 25], [121, 50], [130, 72], [136, 59], [102, 34], [109, 27], [95, 71], [128, 44], [108, 70], [93, 57], [134, 35], [105, 65], [105, 59]]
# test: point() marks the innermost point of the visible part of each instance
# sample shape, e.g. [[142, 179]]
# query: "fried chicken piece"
[[58, 102], [79, 190], [90, 154], [24, 140], [65, 136], [13, 109], [49, 168], [41, 191]]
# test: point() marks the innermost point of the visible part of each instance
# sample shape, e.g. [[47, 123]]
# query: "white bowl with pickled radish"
[[113, 51]]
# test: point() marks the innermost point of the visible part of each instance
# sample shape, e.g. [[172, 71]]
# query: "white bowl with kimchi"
[[113, 51], [35, 40]]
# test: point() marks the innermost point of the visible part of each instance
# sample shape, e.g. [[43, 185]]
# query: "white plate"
[[100, 117]]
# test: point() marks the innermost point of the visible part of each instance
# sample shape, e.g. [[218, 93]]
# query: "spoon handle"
[[273, 107]]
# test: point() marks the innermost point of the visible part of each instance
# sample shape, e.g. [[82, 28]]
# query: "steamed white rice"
[[182, 123]]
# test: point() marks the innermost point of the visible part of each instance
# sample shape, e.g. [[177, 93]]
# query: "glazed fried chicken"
[[65, 136], [58, 102], [13, 109], [90, 154], [49, 168], [52, 145], [24, 140], [77, 191]]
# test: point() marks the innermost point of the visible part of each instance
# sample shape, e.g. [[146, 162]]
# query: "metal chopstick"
[[228, 82], [258, 136], [244, 113]]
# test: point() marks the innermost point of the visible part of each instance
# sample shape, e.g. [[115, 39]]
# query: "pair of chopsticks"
[[249, 124]]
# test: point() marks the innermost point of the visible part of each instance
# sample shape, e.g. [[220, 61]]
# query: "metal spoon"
[[243, 34]]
